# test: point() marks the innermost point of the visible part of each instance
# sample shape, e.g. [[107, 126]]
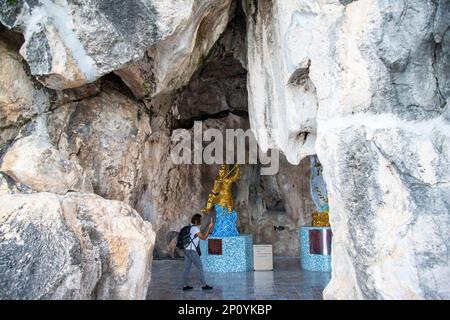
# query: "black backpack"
[[184, 237]]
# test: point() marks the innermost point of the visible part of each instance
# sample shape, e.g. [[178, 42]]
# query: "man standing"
[[192, 252]]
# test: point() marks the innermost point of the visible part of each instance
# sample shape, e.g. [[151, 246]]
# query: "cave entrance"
[[272, 208]]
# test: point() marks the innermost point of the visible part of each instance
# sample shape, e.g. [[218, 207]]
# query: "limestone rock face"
[[363, 84], [69, 43], [170, 63], [36, 163], [20, 99], [106, 134], [175, 192], [282, 100], [381, 98], [275, 207], [219, 85], [77, 246]]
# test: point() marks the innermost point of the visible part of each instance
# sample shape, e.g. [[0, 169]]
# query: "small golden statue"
[[221, 192], [320, 219]]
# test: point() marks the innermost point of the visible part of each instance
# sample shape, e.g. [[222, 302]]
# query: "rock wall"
[[381, 97], [273, 208], [91, 91], [70, 43], [169, 64], [98, 148], [176, 192], [216, 96], [76, 246], [59, 240], [21, 99], [282, 97], [107, 134]]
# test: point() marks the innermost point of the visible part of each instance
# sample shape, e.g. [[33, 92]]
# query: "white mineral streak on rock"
[[60, 16], [68, 64], [36, 163], [372, 123]]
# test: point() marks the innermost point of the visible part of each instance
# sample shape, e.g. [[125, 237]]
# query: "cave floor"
[[287, 282]]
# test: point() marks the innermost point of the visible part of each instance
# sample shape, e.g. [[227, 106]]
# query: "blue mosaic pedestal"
[[237, 255], [315, 248]]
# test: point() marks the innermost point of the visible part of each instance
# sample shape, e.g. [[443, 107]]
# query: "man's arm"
[[212, 196], [204, 235]]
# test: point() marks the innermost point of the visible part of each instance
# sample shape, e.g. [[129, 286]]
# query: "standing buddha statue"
[[221, 199], [319, 194]]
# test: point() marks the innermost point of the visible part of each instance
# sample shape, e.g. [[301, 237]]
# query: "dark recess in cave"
[[12, 38], [219, 86]]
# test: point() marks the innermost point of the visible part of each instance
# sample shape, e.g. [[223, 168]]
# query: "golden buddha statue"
[[320, 219], [221, 192]]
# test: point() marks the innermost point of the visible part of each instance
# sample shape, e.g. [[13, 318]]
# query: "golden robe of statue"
[[320, 219], [221, 192]]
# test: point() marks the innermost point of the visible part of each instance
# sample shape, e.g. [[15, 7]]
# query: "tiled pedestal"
[[236, 254], [315, 248]]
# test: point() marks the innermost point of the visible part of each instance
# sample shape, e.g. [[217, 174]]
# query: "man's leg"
[[198, 263], [187, 266]]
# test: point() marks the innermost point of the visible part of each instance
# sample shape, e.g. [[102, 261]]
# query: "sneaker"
[[207, 287], [187, 288]]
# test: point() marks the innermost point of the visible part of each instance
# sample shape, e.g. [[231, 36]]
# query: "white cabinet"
[[262, 257]]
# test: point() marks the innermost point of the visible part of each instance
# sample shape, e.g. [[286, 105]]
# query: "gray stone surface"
[[21, 98], [36, 163], [364, 84], [381, 103], [76, 246], [106, 134], [169, 64], [69, 43], [277, 206], [220, 83], [9, 186], [88, 38]]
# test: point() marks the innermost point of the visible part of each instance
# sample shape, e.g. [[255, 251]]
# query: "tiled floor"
[[287, 281]]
